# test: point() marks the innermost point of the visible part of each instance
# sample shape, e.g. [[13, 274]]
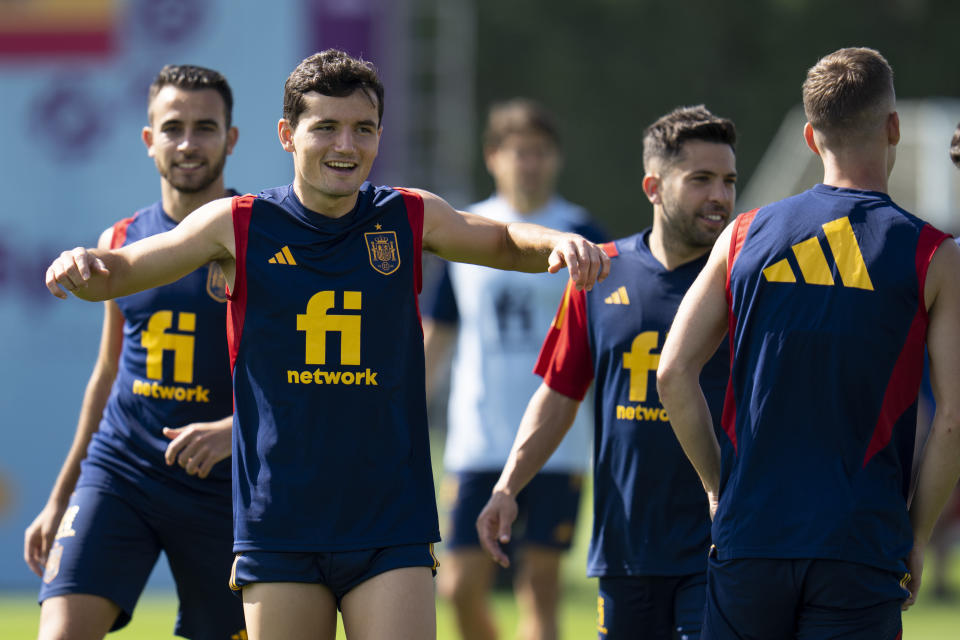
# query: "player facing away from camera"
[[829, 298], [334, 503], [651, 523], [144, 473], [496, 318]]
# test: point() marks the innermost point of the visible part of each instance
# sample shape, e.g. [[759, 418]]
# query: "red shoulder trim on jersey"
[[241, 210], [565, 362], [927, 244], [728, 419], [740, 228], [414, 204], [907, 373], [610, 248], [120, 231]]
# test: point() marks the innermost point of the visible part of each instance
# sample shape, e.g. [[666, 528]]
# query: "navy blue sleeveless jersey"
[[331, 448], [173, 370], [650, 509], [827, 333]]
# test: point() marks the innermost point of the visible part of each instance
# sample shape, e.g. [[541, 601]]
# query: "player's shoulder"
[[148, 217], [627, 247]]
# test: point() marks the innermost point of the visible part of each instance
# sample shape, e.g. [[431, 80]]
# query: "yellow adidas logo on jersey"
[[813, 263], [283, 257], [618, 297]]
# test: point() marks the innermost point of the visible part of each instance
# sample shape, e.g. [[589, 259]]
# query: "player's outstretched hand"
[[915, 567], [199, 446], [72, 271], [38, 538], [586, 261], [494, 523]]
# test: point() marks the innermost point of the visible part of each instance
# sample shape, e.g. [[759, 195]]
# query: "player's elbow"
[[675, 378], [668, 377]]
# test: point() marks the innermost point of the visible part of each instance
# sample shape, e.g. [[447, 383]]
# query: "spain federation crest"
[[216, 282], [383, 251]]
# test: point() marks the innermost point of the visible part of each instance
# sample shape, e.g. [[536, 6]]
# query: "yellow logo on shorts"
[[52, 567], [601, 628], [65, 530]]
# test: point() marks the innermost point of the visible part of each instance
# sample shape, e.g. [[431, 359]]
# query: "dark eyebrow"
[[179, 121], [369, 123], [707, 172]]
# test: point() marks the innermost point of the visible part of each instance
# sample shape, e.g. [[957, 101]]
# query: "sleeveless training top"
[[331, 450], [827, 331], [501, 318], [173, 370], [650, 510]]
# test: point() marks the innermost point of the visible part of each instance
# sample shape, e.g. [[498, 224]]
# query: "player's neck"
[[525, 203], [670, 250], [328, 205], [863, 170], [178, 204]]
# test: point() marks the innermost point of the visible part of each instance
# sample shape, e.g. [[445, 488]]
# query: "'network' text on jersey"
[[317, 324]]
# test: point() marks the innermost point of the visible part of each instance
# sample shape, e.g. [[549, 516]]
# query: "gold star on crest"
[[379, 226]]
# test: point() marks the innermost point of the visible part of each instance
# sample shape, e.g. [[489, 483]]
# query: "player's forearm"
[[692, 423], [528, 246], [938, 473], [548, 417], [131, 270]]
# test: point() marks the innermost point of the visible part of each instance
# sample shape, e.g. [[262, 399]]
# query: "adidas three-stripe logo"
[[813, 263], [618, 297], [283, 257]]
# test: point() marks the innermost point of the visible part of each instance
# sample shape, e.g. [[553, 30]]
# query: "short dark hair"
[[663, 140], [193, 78], [519, 115], [331, 73], [955, 147], [848, 91]]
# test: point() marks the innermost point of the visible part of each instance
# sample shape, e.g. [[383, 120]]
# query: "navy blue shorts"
[[651, 607], [547, 515], [339, 571], [803, 599], [107, 546]]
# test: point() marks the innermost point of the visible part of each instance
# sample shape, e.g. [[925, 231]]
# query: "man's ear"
[[651, 187], [809, 138], [232, 134], [893, 128], [147, 136], [285, 132]]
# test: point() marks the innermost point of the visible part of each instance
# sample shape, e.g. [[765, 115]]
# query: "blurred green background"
[[610, 67]]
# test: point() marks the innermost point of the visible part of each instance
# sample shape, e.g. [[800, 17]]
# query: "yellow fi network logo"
[[156, 340], [813, 262], [316, 323], [641, 361]]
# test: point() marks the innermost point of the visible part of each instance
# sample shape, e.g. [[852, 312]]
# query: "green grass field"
[[930, 619], [154, 617]]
